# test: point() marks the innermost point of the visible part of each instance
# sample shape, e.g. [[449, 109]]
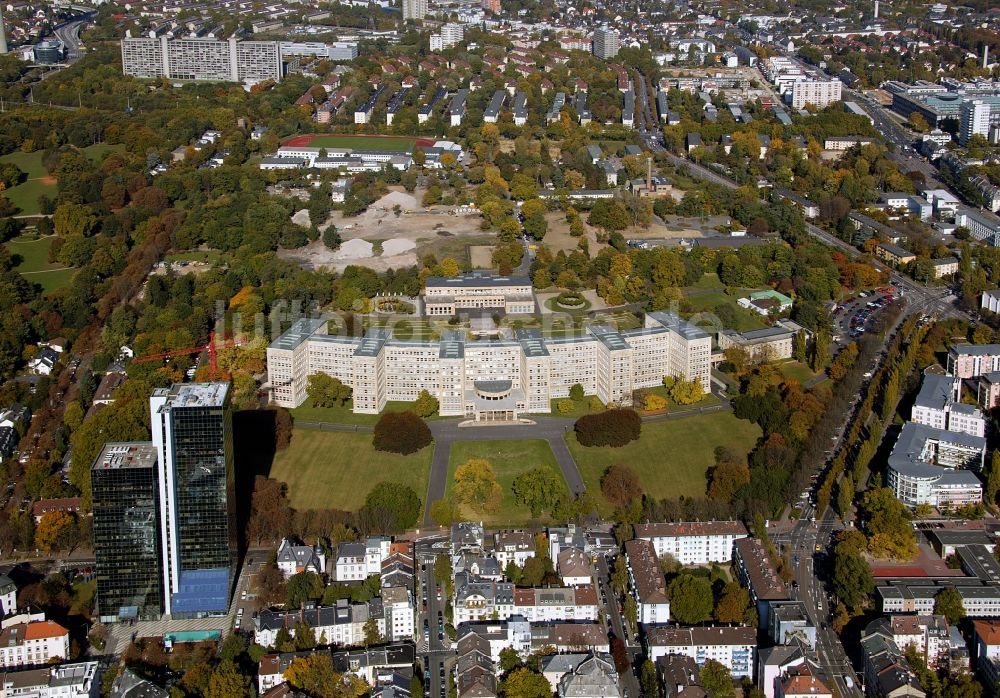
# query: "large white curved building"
[[489, 380], [933, 466]]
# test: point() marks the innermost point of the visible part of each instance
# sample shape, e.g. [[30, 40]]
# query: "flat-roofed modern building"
[[932, 466], [193, 436], [446, 296], [201, 59], [127, 532], [489, 380]]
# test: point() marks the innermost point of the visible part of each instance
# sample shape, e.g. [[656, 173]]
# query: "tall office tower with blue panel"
[[193, 434]]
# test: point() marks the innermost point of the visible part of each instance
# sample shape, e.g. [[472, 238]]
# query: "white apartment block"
[[489, 380], [819, 93], [648, 585], [974, 119], [397, 604], [33, 643], [693, 542], [357, 561], [450, 34], [937, 405], [201, 59], [343, 624], [480, 600], [513, 546], [63, 681], [733, 647], [414, 9]]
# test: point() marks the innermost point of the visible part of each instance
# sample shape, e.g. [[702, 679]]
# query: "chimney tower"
[[986, 56], [876, 9], [649, 175]]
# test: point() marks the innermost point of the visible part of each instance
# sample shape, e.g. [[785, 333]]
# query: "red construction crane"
[[212, 348]]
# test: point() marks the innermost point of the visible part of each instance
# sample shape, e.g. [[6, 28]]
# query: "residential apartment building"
[[80, 680], [647, 583], [932, 466], [342, 624], [928, 634], [758, 575], [450, 34], [513, 547], [397, 606], [414, 9], [193, 435], [201, 59], [477, 599], [988, 390], [693, 542], [606, 43], [126, 524], [973, 360], [33, 643], [937, 405], [489, 380], [293, 559], [733, 647], [973, 120], [817, 92], [887, 674]]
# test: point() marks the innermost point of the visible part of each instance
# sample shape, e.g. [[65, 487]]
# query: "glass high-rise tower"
[[192, 433], [127, 532]]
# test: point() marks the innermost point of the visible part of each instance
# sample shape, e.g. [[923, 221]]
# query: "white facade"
[[606, 43], [397, 604], [733, 647], [293, 559], [33, 643], [201, 59], [937, 406], [974, 119], [414, 9], [693, 543], [816, 92], [450, 34], [62, 681], [498, 378]]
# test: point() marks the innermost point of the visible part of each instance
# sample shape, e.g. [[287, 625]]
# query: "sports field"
[[672, 455], [325, 140], [336, 469]]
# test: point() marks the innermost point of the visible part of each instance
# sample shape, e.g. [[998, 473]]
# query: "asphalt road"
[[437, 653], [616, 620]]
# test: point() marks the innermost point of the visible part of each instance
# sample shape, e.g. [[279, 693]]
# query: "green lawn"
[[796, 370], [579, 408], [707, 302], [710, 280], [35, 266], [362, 142], [672, 455], [509, 459], [336, 470]]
